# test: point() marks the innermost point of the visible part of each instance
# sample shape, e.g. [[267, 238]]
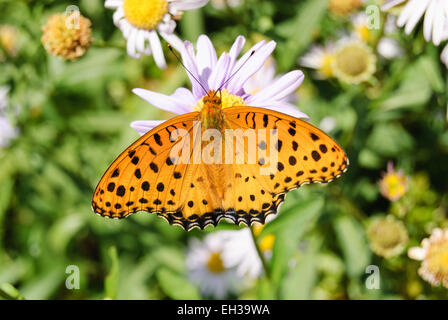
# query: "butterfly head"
[[211, 112]]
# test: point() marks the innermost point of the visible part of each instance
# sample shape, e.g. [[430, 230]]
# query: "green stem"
[[266, 268]]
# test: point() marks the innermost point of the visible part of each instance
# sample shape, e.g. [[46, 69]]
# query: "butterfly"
[[152, 175]]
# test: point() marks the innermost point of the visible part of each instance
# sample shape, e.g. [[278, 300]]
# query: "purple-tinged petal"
[[279, 89], [249, 68], [205, 57], [235, 50], [188, 58], [172, 104], [144, 126], [283, 107], [220, 72], [185, 95]]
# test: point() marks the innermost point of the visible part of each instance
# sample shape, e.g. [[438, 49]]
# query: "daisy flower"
[[142, 21], [435, 12], [213, 73], [394, 184], [207, 270], [321, 59], [354, 61], [387, 236], [434, 254]]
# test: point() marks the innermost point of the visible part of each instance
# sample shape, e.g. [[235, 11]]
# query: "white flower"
[[207, 270], [141, 22], [320, 58], [389, 48], [240, 253], [435, 24], [434, 254]]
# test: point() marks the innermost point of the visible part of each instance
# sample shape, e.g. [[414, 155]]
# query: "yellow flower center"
[[214, 263], [227, 100], [437, 259], [267, 243], [387, 237], [364, 32], [395, 185], [344, 7], [354, 63], [326, 68], [145, 14]]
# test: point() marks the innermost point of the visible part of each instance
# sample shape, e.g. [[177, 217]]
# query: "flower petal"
[[172, 104], [283, 107], [156, 48], [279, 89], [187, 5], [205, 57], [144, 126], [249, 66]]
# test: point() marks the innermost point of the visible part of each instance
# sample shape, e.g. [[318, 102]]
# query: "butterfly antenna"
[[231, 77], [189, 72]]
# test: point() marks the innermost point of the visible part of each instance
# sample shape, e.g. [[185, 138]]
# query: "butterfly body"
[[214, 179]]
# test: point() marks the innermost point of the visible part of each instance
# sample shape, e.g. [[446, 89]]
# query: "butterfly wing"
[[305, 155]]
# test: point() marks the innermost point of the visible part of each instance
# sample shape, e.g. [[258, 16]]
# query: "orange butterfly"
[[147, 177]]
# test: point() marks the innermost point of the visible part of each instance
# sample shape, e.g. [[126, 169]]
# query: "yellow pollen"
[[267, 243], [326, 67], [437, 258], [394, 186], [257, 229], [145, 14], [214, 263], [364, 33], [227, 100]]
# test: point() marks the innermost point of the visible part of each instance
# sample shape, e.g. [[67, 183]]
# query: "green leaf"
[[299, 32], [352, 240], [111, 282], [265, 289], [8, 291], [298, 284], [397, 138], [289, 227], [176, 286]]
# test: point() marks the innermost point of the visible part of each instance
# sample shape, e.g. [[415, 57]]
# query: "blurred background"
[[63, 122]]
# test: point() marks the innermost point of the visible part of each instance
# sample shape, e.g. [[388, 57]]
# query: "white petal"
[[187, 5], [113, 4], [156, 48], [220, 72], [417, 253]]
